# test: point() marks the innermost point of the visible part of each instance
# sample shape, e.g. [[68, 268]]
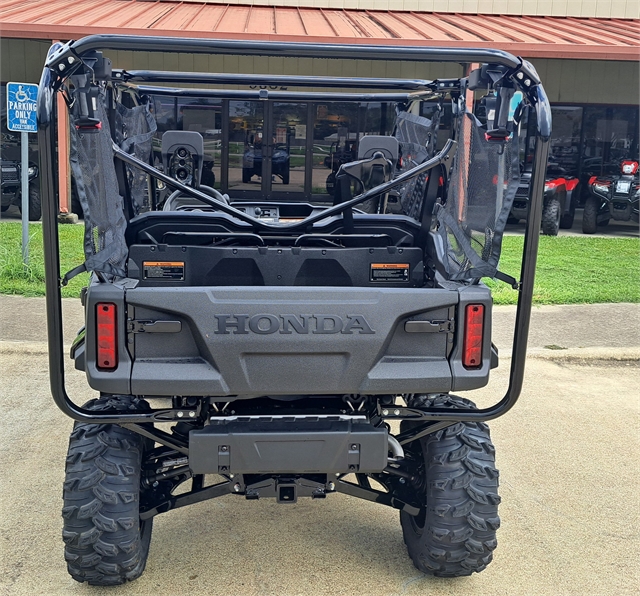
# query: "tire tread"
[[459, 533], [101, 531]]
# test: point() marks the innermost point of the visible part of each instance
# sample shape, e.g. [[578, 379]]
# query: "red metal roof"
[[534, 37]]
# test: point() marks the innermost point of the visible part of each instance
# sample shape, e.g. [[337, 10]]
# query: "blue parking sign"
[[21, 107]]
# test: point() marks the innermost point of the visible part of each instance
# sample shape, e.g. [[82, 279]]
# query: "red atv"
[[560, 198], [612, 197]]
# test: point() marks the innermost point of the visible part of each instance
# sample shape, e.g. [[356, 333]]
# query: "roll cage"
[[82, 56]]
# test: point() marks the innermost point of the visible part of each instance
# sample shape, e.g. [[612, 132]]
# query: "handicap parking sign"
[[21, 107]]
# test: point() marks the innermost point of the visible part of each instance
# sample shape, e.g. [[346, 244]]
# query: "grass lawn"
[[571, 269], [15, 279], [574, 270]]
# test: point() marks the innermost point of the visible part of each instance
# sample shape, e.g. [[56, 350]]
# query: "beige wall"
[[21, 60], [566, 81], [590, 81], [622, 9]]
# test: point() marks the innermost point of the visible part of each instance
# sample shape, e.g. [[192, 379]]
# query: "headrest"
[[370, 144]]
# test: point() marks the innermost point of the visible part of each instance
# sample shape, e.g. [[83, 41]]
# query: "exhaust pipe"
[[396, 449]]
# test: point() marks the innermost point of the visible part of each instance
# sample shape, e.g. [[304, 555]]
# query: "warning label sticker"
[[389, 272], [163, 270]]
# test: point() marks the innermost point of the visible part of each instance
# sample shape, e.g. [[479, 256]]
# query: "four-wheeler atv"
[[612, 197], [12, 187], [269, 348], [560, 199]]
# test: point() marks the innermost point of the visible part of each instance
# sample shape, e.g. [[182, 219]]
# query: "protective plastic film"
[[482, 186], [97, 185], [417, 137], [92, 165], [134, 133]]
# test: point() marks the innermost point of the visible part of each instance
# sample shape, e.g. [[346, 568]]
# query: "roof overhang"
[[532, 37]]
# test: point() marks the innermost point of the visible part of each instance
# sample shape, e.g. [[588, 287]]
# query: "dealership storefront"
[[589, 67]]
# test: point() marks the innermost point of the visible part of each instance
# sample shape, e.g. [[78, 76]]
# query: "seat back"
[[371, 144]]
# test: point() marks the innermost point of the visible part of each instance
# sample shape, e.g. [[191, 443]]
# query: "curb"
[[583, 355]]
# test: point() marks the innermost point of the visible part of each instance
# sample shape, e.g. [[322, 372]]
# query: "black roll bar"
[[436, 160], [62, 60], [285, 49], [265, 94], [162, 76]]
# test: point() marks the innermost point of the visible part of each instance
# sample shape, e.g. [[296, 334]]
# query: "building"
[[585, 51]]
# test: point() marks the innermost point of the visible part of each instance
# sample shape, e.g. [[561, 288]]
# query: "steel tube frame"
[[265, 94], [162, 76], [286, 49], [438, 159], [69, 55]]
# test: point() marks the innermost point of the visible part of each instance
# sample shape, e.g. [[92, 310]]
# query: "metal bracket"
[[134, 326], [376, 496]]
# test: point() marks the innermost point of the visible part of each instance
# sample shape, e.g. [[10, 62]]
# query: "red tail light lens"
[[473, 332], [106, 319]]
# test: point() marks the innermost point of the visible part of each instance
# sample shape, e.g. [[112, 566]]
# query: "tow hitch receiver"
[[288, 445]]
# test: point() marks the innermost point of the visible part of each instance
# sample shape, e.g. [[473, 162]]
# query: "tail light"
[[629, 167], [473, 332], [106, 321]]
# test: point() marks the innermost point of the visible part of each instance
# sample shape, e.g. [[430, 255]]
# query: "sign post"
[[22, 101]]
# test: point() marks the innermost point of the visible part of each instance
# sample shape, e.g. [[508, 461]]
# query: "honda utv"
[[285, 349]]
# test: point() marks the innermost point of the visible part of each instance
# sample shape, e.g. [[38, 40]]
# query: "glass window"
[[204, 115], [246, 128], [564, 153], [201, 115], [335, 141], [610, 135], [288, 154]]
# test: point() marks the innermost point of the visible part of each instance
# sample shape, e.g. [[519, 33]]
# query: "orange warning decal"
[[389, 265]]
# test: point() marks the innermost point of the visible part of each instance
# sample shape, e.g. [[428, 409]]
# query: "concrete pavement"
[[568, 454]]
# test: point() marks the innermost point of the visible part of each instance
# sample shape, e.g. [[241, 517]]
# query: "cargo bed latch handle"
[[154, 326], [429, 326]]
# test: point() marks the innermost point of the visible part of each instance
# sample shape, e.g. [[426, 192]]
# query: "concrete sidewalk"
[[601, 331]]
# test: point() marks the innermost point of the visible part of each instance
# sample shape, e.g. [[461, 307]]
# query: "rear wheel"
[[590, 215], [455, 532], [551, 214], [35, 208], [106, 543]]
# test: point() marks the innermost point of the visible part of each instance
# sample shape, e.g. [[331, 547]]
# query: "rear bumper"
[[288, 445]]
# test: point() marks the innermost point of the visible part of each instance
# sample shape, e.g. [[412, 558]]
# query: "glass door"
[[245, 146], [287, 150]]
